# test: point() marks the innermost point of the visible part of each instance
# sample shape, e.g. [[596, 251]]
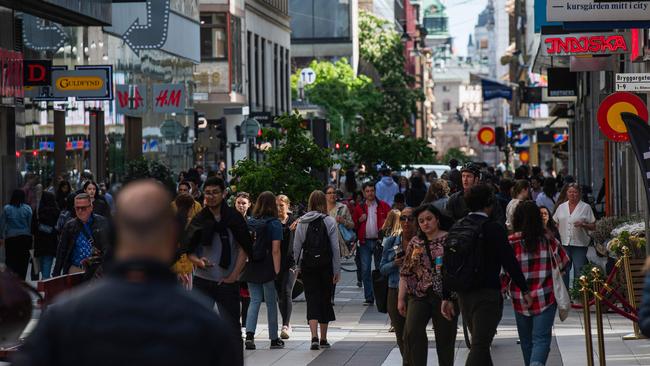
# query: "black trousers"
[[284, 286], [17, 254], [482, 310], [225, 295], [397, 321], [318, 293]]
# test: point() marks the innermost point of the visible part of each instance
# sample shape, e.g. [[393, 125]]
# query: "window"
[[257, 71], [446, 106], [249, 67], [263, 80], [276, 84], [214, 39], [445, 88], [325, 19], [236, 61]]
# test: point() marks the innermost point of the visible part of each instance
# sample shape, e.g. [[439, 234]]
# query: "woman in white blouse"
[[575, 218]]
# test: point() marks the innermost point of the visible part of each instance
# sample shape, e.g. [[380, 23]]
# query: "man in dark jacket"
[[457, 207], [87, 235], [482, 303], [218, 243], [137, 314]]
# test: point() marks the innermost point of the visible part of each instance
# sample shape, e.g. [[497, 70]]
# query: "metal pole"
[[587, 318], [599, 316], [630, 293]]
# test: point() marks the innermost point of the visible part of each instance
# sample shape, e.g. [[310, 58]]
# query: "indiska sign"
[[11, 74], [585, 44]]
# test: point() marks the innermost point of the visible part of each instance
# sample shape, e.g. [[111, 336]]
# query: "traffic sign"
[[609, 114], [486, 136], [251, 127], [633, 82], [307, 75]]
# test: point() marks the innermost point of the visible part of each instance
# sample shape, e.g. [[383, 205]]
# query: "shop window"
[[446, 106], [214, 36], [236, 67]]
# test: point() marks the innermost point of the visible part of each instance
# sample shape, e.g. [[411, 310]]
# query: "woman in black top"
[[62, 192], [287, 276], [100, 207], [45, 234]]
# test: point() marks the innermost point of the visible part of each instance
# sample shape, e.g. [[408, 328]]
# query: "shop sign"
[[169, 98], [585, 44], [486, 136], [37, 72], [131, 99], [11, 74], [609, 114], [84, 83], [633, 82], [596, 11]]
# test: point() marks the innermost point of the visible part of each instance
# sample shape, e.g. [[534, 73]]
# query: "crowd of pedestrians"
[[448, 246]]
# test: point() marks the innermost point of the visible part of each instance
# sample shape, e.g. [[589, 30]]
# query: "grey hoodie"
[[301, 233]]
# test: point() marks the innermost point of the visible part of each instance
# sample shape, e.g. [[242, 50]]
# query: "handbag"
[[562, 298], [380, 289], [348, 234]]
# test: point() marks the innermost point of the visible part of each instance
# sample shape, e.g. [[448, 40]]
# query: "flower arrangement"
[[604, 227], [634, 228], [635, 242]]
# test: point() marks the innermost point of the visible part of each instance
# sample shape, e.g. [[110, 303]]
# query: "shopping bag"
[[380, 289], [559, 289]]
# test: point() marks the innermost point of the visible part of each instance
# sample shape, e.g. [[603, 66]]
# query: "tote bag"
[[559, 289]]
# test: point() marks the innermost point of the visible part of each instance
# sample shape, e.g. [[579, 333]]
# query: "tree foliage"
[[456, 153], [289, 168], [149, 169]]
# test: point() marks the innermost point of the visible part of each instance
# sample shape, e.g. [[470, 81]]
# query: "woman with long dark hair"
[[549, 224], [100, 206], [15, 233], [536, 251], [420, 290], [45, 233], [262, 268], [416, 192], [62, 192]]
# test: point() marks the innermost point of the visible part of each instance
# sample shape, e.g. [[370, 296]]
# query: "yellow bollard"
[[587, 318], [599, 316], [630, 293]]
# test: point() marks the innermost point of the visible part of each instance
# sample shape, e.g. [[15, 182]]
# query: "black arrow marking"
[[153, 34], [38, 36]]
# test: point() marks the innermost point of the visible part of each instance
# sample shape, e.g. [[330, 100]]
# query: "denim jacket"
[[15, 221], [387, 267]]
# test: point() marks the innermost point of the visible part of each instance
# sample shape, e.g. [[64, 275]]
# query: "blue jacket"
[[387, 267], [644, 309], [386, 190], [15, 221]]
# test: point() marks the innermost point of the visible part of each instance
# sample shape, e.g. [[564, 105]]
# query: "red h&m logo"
[[123, 98], [586, 45], [168, 97]]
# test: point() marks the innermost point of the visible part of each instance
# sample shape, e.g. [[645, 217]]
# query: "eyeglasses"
[[82, 208], [406, 218]]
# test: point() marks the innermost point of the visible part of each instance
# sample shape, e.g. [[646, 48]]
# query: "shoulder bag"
[[559, 289]]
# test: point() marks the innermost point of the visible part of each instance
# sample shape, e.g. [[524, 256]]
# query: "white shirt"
[[510, 211], [571, 235], [372, 231], [544, 201]]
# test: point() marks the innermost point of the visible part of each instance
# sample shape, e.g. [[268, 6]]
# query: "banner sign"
[[596, 11], [585, 44], [131, 99], [83, 83], [640, 139], [11, 74], [169, 98], [493, 90], [105, 72], [44, 93], [633, 82], [37, 72]]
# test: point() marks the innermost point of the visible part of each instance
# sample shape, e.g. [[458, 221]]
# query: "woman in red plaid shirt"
[[533, 246]]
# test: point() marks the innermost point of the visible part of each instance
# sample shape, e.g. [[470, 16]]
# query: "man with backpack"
[[316, 247], [368, 219], [475, 250]]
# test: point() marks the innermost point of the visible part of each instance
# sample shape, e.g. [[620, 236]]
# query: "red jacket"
[[382, 211]]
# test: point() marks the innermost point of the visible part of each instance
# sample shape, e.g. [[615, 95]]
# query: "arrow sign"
[[152, 34], [38, 36]]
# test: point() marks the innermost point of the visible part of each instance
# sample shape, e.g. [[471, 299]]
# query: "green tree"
[[290, 167], [149, 169], [340, 92]]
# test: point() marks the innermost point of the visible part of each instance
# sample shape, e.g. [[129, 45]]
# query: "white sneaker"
[[286, 332]]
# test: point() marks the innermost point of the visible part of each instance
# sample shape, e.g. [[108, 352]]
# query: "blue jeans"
[[46, 266], [578, 256], [366, 253], [267, 292], [535, 335]]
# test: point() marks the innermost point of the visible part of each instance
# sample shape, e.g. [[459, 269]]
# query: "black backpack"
[[316, 250], [260, 235], [462, 262]]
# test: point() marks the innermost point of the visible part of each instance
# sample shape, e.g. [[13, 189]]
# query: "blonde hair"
[[284, 199], [317, 202], [392, 225]]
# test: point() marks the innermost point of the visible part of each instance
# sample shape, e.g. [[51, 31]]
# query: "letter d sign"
[[37, 72]]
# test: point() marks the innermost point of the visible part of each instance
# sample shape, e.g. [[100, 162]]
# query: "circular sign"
[[524, 156], [486, 136], [609, 114], [251, 127], [307, 75]]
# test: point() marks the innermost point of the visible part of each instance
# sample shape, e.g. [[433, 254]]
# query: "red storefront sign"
[[11, 74], [586, 44]]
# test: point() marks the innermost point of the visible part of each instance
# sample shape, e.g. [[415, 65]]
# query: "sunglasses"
[[406, 218]]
